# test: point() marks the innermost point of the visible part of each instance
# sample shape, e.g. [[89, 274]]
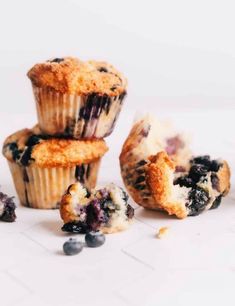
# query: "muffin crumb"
[[162, 232]]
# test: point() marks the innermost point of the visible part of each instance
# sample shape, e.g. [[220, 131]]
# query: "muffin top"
[[29, 146], [71, 75]]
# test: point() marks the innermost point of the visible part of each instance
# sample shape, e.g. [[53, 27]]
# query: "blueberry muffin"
[[76, 98], [160, 172], [7, 208], [42, 167], [105, 209]]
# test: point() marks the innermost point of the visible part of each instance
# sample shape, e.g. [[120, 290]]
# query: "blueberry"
[[140, 179], [216, 202], [202, 160], [130, 211], [184, 181], [141, 163], [72, 247], [102, 69], [77, 227], [215, 165], [197, 171], [125, 196], [57, 60], [198, 199], [113, 88], [33, 140], [9, 207], [96, 215], [94, 239]]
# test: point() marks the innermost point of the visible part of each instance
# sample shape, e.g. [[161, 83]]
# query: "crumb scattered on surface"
[[163, 231]]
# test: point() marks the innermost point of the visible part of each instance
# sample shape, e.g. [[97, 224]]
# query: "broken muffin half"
[[105, 209], [160, 172]]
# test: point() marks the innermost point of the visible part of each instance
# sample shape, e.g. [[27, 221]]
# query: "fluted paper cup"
[[77, 116], [43, 187]]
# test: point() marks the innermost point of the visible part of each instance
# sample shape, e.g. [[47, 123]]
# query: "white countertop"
[[194, 264]]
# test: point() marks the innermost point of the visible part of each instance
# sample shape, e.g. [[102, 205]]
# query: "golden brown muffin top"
[[71, 75], [29, 146]]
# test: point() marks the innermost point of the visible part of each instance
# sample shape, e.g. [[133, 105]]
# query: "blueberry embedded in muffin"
[[7, 208], [160, 173], [43, 166], [104, 209], [88, 95]]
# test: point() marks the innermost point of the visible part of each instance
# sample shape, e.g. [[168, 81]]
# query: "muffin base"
[[77, 116], [43, 187]]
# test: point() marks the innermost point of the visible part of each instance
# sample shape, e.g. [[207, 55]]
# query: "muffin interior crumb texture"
[[73, 76], [105, 209], [30, 146]]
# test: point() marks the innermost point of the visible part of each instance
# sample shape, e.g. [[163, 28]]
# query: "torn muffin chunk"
[[160, 172], [105, 209]]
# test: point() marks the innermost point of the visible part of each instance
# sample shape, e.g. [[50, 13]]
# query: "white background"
[[179, 58], [171, 51]]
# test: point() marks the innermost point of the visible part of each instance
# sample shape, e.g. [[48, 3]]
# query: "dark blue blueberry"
[[26, 156], [197, 171], [184, 181], [216, 202], [202, 160], [139, 187], [140, 179], [94, 239], [76, 227], [130, 211], [215, 165], [13, 147], [72, 247], [197, 201], [113, 87], [79, 173], [33, 140], [125, 196], [141, 163], [102, 69], [96, 214], [139, 171], [9, 207], [57, 60]]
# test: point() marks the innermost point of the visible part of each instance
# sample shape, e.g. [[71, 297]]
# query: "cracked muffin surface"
[[104, 209], [71, 75], [160, 172]]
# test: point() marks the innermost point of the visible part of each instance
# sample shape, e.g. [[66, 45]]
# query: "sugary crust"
[[61, 152], [159, 176], [74, 76], [57, 152], [224, 178]]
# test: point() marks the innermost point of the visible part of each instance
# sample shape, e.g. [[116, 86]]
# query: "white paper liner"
[[43, 187], [77, 116]]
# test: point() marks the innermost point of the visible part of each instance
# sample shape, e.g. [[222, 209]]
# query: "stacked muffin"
[[78, 104]]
